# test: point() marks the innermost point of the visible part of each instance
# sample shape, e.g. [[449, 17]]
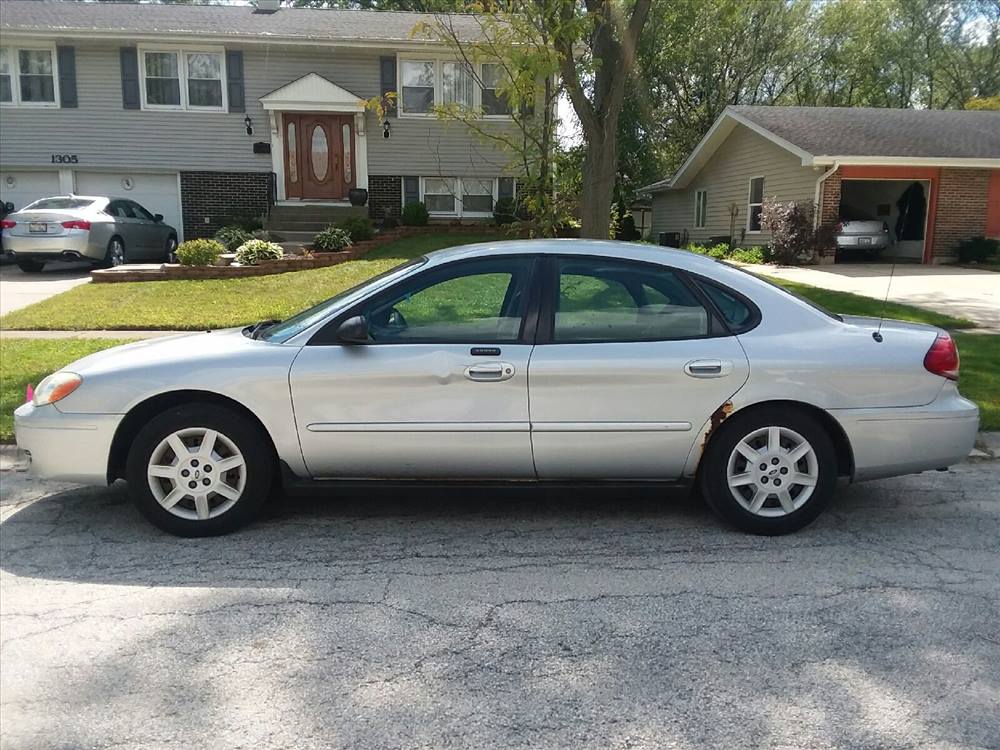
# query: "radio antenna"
[[877, 335]]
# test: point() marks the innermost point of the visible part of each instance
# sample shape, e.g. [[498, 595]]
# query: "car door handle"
[[490, 372], [708, 368]]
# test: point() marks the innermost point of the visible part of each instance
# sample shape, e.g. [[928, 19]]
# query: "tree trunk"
[[600, 170]]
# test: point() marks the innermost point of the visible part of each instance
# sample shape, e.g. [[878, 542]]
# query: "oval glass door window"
[[293, 157], [347, 153], [320, 153]]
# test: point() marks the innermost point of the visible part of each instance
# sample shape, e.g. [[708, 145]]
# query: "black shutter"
[[411, 190], [67, 76], [130, 78], [387, 67], [234, 80]]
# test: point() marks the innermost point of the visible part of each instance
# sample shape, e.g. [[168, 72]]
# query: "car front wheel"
[[770, 471], [200, 470]]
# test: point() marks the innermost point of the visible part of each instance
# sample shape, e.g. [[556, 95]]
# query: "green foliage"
[[232, 236], [246, 222], [509, 211], [199, 252], [722, 251], [983, 102], [252, 252], [332, 239], [979, 250], [358, 227], [415, 214]]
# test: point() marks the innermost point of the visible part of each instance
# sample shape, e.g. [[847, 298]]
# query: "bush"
[[748, 255], [509, 210], [389, 221], [199, 252], [332, 239], [627, 229], [979, 250], [415, 214], [793, 239], [715, 251], [252, 252], [232, 236], [247, 222], [359, 227]]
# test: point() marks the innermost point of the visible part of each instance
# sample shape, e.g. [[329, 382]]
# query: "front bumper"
[[69, 447], [895, 441], [75, 244]]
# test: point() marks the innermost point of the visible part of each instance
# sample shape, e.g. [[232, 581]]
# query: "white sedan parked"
[[547, 361]]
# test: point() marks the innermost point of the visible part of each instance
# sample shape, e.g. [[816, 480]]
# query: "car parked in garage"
[[545, 360], [105, 230], [861, 232]]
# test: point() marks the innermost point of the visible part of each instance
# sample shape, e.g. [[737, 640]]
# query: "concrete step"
[[301, 225], [293, 236], [317, 212]]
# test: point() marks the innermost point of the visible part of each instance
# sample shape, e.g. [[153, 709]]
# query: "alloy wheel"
[[116, 253], [196, 473], [772, 471]]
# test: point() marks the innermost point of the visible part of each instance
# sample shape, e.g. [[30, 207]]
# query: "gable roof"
[[823, 136], [310, 93], [54, 18]]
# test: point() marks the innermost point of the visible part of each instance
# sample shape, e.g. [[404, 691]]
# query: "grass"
[[24, 361], [980, 378], [214, 303]]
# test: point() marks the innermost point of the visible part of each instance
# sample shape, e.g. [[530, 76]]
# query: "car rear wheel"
[[770, 471], [115, 254], [200, 470], [170, 253], [31, 266]]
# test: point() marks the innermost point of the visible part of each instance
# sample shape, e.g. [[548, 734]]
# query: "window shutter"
[[130, 77], [387, 66], [66, 57], [411, 190], [505, 188], [234, 80]]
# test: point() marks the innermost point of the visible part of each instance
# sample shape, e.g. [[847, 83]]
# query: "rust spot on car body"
[[718, 417]]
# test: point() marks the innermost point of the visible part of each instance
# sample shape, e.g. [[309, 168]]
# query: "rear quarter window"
[[738, 312]]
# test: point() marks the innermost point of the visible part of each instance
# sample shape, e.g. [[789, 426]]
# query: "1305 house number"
[[65, 159]]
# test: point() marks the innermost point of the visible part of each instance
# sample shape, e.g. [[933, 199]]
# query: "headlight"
[[56, 387]]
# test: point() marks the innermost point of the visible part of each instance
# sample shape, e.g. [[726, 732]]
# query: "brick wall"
[[385, 195], [961, 210], [209, 199], [829, 212]]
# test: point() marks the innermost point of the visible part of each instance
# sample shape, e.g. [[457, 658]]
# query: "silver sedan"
[[107, 231], [543, 361]]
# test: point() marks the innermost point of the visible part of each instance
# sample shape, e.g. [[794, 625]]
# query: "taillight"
[[76, 224], [839, 227], [7, 224], [942, 358]]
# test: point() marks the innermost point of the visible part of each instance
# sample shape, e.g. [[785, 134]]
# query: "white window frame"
[[479, 94], [700, 209], [750, 205], [182, 52], [460, 211], [439, 60], [15, 67]]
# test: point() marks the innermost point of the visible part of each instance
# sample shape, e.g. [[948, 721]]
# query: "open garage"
[[898, 206]]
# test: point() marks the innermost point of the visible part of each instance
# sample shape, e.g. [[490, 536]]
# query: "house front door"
[[319, 156]]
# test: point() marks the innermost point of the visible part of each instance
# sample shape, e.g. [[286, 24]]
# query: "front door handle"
[[708, 368], [490, 372]]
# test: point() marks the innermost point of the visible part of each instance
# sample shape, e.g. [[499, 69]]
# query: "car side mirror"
[[158, 218], [353, 330]]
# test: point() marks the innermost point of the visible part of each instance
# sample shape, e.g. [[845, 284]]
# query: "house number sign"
[[65, 159]]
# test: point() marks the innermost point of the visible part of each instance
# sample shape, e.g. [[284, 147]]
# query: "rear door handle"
[[708, 368], [490, 372]]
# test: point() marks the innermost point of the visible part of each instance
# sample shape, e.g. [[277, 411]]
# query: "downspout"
[[816, 197]]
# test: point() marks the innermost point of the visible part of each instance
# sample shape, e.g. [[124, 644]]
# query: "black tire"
[[170, 250], [109, 253], [242, 432], [31, 266], [713, 475]]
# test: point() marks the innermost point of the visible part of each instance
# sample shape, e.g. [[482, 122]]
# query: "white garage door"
[[157, 193], [22, 188]]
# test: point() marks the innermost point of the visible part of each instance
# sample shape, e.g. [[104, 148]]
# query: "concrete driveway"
[[961, 292], [535, 618], [19, 289]]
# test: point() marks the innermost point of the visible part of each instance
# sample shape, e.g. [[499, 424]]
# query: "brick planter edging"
[[286, 265]]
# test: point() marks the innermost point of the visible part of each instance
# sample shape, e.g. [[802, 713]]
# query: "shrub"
[[979, 250], [747, 255], [627, 229], [247, 222], [389, 221], [509, 210], [793, 239], [199, 252], [715, 251], [415, 214], [252, 252], [332, 239], [359, 227], [232, 236]]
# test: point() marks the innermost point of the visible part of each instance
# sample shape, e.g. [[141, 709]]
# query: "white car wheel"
[[772, 471]]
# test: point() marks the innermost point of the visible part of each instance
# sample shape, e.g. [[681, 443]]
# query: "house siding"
[[726, 178]]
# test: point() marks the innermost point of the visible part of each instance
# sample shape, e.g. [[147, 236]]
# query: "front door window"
[[319, 156]]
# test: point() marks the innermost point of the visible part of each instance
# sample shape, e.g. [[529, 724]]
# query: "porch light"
[[385, 129], [248, 124]]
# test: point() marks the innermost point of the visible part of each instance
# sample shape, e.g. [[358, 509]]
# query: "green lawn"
[[980, 378]]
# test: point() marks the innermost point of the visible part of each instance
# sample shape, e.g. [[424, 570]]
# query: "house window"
[[28, 76], [439, 195], [465, 196], [418, 86], [700, 202], [494, 103], [456, 84], [477, 196], [755, 204], [183, 79]]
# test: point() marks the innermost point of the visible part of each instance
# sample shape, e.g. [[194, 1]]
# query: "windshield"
[[58, 203], [281, 332]]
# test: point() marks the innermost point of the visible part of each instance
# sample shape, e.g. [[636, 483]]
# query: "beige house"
[[945, 163]]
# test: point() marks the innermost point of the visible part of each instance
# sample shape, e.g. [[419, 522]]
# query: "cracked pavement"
[[604, 618]]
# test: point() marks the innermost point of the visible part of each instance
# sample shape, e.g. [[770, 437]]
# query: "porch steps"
[[298, 223]]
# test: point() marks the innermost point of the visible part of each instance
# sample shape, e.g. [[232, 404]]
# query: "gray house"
[[943, 167], [201, 113]]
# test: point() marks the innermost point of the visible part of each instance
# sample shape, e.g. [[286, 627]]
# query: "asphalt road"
[[468, 619]]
